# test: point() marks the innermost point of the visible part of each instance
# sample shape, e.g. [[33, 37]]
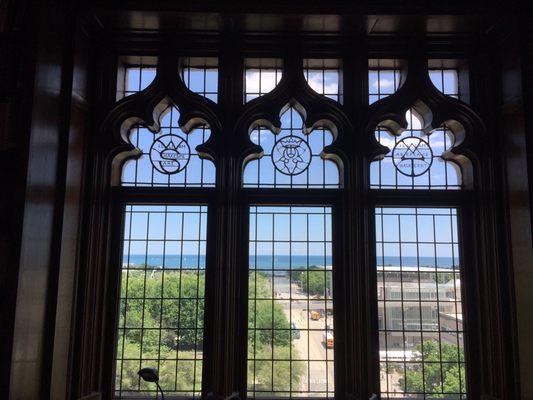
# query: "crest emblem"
[[170, 154], [412, 156], [291, 155]]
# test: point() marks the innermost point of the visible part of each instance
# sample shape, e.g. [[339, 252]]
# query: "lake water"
[[278, 262]]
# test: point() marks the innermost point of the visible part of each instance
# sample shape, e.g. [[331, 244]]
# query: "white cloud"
[[387, 140], [252, 81], [254, 136], [383, 83], [266, 136], [316, 83], [266, 80]]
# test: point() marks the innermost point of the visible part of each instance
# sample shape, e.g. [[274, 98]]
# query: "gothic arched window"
[[420, 266], [164, 145], [277, 230]]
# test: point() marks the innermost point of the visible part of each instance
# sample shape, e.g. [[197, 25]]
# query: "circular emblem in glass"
[[412, 156], [170, 154], [291, 155]]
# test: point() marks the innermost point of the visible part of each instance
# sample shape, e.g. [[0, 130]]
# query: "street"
[[311, 348]]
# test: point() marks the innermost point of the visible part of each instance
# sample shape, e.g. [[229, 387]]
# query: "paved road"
[[310, 346], [390, 382], [297, 305]]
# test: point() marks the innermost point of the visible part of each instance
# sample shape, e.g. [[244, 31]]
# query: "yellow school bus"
[[315, 315]]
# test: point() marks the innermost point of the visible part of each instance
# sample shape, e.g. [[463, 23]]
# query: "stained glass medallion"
[[412, 156], [170, 154], [291, 155]]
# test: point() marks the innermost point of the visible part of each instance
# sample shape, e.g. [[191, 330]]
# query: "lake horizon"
[[267, 262]]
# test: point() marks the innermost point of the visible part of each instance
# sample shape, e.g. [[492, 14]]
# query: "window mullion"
[[355, 358], [226, 372]]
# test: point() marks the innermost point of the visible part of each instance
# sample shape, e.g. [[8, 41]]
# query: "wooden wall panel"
[[517, 130], [75, 135], [49, 128]]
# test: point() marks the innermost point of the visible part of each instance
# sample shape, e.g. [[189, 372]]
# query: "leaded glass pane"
[[420, 314], [290, 302], [161, 314], [169, 156], [415, 159]]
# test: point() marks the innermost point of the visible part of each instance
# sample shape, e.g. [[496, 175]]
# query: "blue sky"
[[262, 81], [271, 229]]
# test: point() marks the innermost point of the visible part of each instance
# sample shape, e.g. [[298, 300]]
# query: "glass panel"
[[383, 79], [291, 158], [201, 76], [415, 160], [323, 76], [260, 77], [446, 81], [419, 303], [162, 299], [290, 306], [136, 78], [169, 157]]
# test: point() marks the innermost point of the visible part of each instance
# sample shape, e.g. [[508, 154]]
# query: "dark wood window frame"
[[488, 348]]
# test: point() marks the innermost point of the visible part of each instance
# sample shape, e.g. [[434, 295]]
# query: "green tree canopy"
[[172, 300], [314, 281], [440, 372], [269, 337], [163, 313]]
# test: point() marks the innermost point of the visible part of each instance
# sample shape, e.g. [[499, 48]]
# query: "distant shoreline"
[[262, 262]]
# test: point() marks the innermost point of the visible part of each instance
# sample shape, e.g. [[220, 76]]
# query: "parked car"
[[295, 331]]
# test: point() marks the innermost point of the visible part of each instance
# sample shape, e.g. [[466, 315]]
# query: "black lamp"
[[151, 375]]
